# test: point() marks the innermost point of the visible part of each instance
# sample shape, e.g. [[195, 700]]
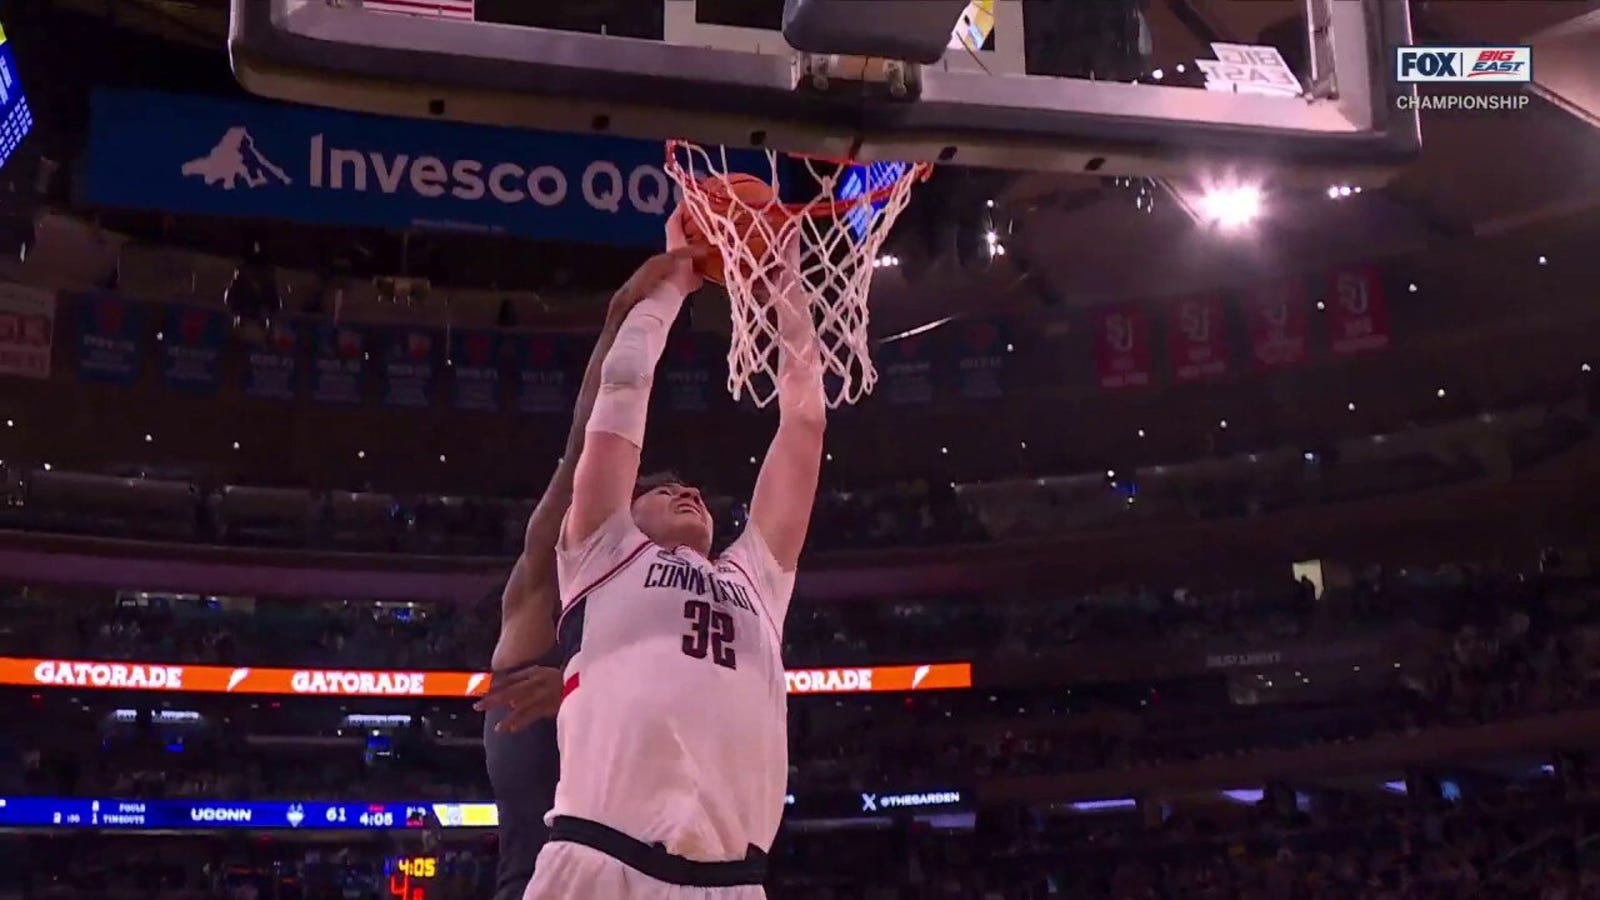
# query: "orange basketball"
[[741, 198]]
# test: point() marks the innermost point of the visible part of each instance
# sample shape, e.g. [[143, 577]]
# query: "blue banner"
[[977, 361], [192, 342], [545, 382], [186, 154], [339, 364], [108, 339], [475, 367], [79, 812], [690, 367], [272, 367], [312, 815], [410, 366], [905, 372], [16, 119]]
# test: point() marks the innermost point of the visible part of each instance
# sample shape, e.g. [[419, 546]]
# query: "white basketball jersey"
[[674, 724]]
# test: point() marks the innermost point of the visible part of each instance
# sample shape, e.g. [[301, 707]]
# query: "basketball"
[[741, 198]]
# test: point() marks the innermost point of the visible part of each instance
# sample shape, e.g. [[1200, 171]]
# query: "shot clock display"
[[410, 877]]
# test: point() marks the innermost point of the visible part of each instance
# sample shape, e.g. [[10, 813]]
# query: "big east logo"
[[1458, 64]]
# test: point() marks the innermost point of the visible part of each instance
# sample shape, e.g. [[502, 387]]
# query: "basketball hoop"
[[840, 232]]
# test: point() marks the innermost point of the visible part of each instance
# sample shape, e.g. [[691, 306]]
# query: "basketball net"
[[838, 243]]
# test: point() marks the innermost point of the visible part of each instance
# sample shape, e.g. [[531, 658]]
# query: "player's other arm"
[[608, 464], [528, 604], [786, 488]]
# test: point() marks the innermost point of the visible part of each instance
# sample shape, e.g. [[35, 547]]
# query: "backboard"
[[744, 86]]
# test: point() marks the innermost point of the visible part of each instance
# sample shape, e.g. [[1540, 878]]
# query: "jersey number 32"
[[710, 634]]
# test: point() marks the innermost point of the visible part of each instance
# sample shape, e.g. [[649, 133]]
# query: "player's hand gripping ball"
[[740, 200]]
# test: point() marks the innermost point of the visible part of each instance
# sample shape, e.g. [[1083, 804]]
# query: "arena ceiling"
[[1076, 240]]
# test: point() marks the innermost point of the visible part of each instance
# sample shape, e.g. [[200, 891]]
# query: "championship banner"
[[905, 370], [179, 678], [1358, 312], [475, 371], [545, 384], [192, 343], [979, 359], [1276, 316], [410, 366], [218, 157], [272, 368], [688, 365], [339, 365], [1122, 346], [1197, 338], [108, 339], [27, 330]]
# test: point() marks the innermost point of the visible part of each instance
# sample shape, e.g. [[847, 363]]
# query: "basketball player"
[[673, 727], [519, 736]]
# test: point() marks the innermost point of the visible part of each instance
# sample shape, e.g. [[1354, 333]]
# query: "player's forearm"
[[544, 526], [627, 372], [802, 400]]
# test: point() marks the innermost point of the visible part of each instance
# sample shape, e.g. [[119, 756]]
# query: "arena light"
[[1544, 261], [1411, 288], [1231, 208]]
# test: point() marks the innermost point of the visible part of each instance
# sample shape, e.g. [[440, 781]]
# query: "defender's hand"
[[676, 266], [530, 694]]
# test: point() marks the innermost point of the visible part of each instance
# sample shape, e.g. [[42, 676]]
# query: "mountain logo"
[[236, 158]]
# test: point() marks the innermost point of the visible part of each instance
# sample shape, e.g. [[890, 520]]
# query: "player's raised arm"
[[786, 488], [529, 602], [608, 465]]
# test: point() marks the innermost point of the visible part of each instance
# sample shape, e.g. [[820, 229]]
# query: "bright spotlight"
[[1231, 207]]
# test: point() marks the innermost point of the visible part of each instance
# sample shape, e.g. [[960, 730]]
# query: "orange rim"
[[815, 208]]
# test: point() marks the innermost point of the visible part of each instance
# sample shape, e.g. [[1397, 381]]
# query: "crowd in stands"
[[135, 501], [1534, 838]]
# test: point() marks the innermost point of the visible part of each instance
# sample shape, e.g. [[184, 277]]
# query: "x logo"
[[869, 802]]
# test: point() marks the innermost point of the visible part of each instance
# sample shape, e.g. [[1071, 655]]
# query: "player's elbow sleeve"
[[623, 403]]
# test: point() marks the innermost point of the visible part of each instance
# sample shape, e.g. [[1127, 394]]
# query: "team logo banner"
[[410, 367], [1275, 316], [1122, 346], [544, 382], [186, 154], [179, 678], [979, 359], [1358, 313], [108, 339], [1197, 339], [690, 364], [272, 368], [340, 364], [475, 371], [906, 371], [192, 342], [27, 330]]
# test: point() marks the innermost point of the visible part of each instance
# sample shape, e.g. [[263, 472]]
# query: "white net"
[[836, 238]]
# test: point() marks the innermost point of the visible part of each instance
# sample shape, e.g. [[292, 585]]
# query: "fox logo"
[[233, 159]]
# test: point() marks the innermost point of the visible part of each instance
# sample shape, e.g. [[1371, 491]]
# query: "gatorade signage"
[[144, 676]]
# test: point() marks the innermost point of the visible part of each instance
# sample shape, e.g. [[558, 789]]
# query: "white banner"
[[27, 329]]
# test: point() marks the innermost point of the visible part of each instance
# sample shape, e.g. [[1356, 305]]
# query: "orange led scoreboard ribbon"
[[178, 678]]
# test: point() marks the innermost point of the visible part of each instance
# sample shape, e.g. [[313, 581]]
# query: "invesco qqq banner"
[[202, 155], [178, 678]]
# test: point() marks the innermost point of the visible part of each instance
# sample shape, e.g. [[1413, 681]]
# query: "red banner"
[[1275, 315], [147, 676], [1358, 313], [1122, 346], [1197, 339]]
